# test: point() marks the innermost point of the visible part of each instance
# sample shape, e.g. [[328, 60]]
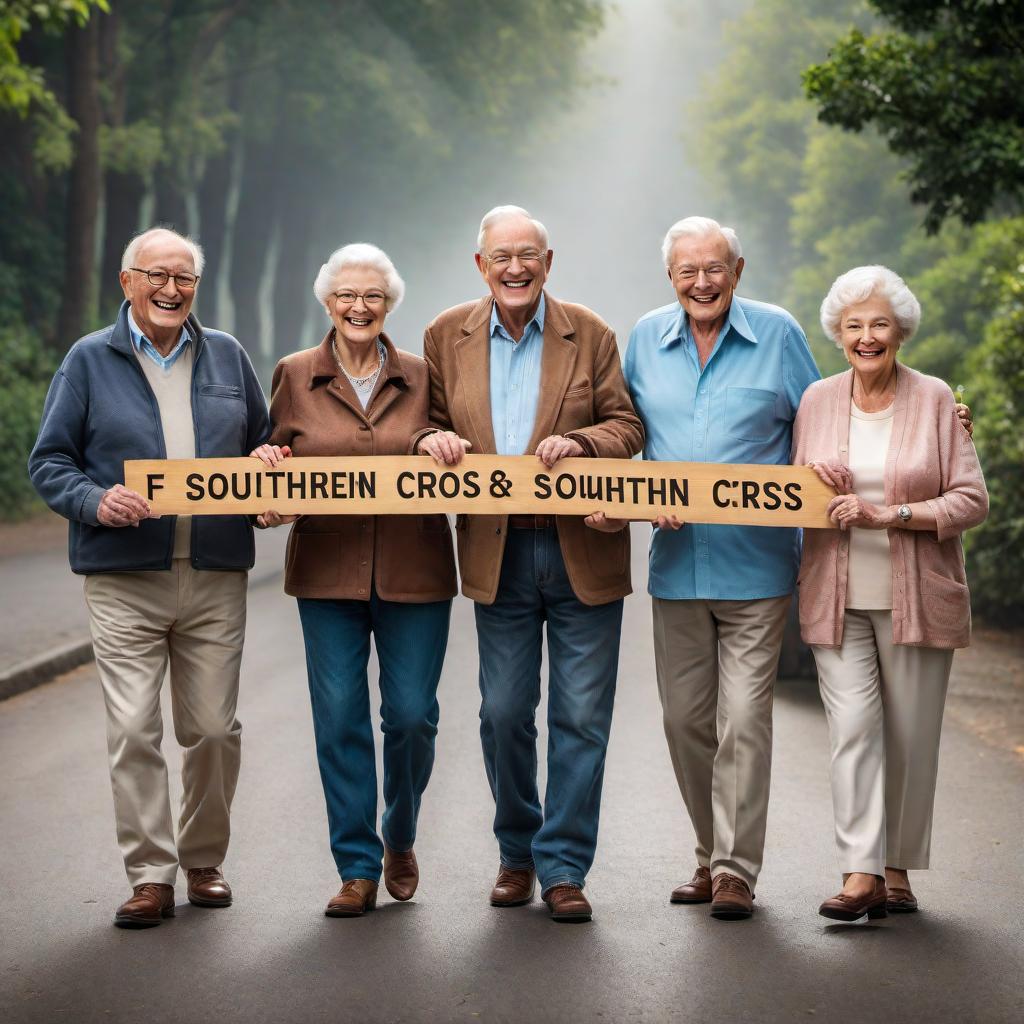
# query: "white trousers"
[[195, 622], [716, 663], [884, 705]]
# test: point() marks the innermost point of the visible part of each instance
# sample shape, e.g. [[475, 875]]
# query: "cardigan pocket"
[[949, 601]]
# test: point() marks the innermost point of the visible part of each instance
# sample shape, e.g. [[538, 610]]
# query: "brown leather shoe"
[[696, 890], [150, 903], [513, 887], [847, 908], [731, 898], [567, 903], [401, 873], [207, 888], [901, 901], [357, 897]]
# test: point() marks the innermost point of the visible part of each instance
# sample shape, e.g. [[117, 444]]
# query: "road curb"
[[26, 675], [43, 667]]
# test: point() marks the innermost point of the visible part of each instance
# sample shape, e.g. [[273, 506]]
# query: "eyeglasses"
[[372, 298], [158, 278], [504, 259], [715, 272]]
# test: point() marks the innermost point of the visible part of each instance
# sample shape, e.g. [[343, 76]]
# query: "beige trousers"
[[884, 704], [716, 663], [195, 621]]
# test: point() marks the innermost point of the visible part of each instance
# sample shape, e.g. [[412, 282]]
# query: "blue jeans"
[[583, 655], [411, 641]]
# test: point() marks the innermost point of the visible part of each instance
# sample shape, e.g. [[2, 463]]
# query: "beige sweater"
[[931, 458]]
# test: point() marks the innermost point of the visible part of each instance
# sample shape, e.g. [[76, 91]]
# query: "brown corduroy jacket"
[[582, 396], [315, 410]]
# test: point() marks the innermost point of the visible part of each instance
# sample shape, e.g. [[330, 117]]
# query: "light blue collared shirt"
[[739, 408], [515, 382], [144, 345]]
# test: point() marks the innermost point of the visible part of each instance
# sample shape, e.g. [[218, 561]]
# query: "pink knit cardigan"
[[931, 458]]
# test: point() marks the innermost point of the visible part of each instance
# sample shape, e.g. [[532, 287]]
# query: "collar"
[[325, 368], [144, 345], [537, 318], [736, 320]]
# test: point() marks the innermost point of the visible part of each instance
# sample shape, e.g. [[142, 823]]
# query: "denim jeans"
[[583, 655], [411, 641]]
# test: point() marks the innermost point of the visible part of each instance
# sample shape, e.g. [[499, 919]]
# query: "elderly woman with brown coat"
[[357, 575], [884, 598]]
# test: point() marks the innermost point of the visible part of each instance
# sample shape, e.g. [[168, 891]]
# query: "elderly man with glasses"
[[160, 590], [519, 372]]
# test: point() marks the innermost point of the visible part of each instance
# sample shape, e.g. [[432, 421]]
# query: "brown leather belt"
[[523, 522]]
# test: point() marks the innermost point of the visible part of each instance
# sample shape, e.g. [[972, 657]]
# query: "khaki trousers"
[[884, 704], [716, 663], [195, 621]]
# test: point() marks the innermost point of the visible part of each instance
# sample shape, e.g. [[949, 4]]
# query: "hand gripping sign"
[[700, 492]]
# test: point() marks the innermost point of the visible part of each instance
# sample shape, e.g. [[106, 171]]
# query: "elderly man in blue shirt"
[[718, 378]]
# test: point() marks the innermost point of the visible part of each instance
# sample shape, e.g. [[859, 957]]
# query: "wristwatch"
[[904, 513]]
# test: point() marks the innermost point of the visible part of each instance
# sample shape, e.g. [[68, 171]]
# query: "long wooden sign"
[[696, 492]]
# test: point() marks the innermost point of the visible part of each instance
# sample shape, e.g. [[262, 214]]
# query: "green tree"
[[946, 90]]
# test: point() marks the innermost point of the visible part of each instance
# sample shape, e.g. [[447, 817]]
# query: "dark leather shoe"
[[848, 908], [731, 898], [696, 890], [513, 887], [401, 873], [150, 903], [207, 888], [901, 901], [567, 903], [357, 897]]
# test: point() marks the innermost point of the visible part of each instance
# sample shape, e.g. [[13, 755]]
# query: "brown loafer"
[[513, 887], [567, 903], [731, 898], [696, 890], [207, 888], [901, 901], [149, 904], [401, 873], [356, 897], [849, 908]]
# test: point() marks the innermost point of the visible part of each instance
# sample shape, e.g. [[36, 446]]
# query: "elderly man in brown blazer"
[[519, 372]]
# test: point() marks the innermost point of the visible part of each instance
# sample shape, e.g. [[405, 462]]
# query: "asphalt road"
[[449, 956]]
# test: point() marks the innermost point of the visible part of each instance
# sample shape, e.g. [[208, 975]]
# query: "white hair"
[[491, 217], [860, 284], [359, 254], [130, 255], [700, 227]]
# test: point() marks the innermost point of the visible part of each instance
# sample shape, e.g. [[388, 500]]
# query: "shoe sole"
[[348, 913], [572, 918], [730, 913], [687, 899], [401, 897], [512, 903], [136, 922], [199, 901], [849, 915]]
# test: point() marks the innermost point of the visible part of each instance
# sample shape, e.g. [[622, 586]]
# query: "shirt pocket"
[[750, 413]]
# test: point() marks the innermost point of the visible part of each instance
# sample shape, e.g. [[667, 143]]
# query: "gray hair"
[[359, 254], [491, 217], [699, 227], [130, 256], [860, 284]]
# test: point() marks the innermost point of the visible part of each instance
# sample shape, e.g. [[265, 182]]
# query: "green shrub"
[[995, 550], [25, 373]]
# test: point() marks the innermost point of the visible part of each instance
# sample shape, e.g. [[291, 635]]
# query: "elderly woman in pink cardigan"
[[884, 598]]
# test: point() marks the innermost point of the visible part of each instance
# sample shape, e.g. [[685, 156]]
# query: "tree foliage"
[[946, 90]]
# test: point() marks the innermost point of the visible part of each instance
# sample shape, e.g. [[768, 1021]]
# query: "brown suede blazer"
[[315, 410], [583, 396]]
